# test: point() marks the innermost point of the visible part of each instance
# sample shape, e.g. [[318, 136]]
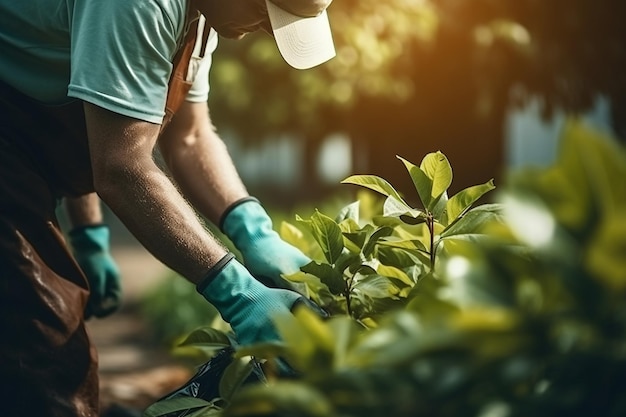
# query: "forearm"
[[154, 212], [140, 194], [200, 163], [84, 210]]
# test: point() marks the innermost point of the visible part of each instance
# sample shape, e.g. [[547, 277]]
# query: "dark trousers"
[[48, 365]]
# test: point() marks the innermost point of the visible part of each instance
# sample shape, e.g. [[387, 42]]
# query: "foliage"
[[529, 321], [173, 308], [370, 268]]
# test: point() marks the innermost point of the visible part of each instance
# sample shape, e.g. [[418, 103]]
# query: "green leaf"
[[438, 208], [206, 336], [206, 412], [606, 256], [372, 240], [328, 236], [395, 208], [346, 260], [396, 339], [316, 289], [284, 398], [303, 342], [399, 258], [375, 286], [436, 167], [359, 237], [463, 200], [349, 226], [265, 350], [173, 405], [196, 352], [393, 272], [474, 221], [234, 376], [353, 238], [423, 184], [328, 275], [346, 335], [292, 235], [413, 244], [388, 221], [597, 161], [318, 330], [374, 183], [424, 299], [349, 212]]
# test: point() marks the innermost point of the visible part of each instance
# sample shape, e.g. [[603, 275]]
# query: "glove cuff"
[[238, 297], [214, 272], [91, 237], [233, 206]]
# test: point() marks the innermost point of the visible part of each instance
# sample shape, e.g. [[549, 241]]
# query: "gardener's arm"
[[202, 166], [200, 162], [128, 180], [89, 239], [84, 210], [140, 194]]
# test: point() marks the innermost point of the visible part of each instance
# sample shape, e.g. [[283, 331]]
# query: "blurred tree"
[[411, 76]]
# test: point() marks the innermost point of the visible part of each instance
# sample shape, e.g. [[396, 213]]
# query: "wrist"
[[232, 207], [245, 223], [230, 288], [229, 282], [90, 237], [213, 273]]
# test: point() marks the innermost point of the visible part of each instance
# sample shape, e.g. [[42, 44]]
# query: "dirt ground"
[[133, 372]]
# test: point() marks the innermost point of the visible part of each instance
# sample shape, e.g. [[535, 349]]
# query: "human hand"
[[264, 253], [91, 249], [246, 304]]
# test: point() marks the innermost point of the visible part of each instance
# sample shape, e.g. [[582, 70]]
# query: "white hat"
[[304, 42]]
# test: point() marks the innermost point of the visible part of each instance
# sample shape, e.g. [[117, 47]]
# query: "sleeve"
[[122, 55], [200, 89]]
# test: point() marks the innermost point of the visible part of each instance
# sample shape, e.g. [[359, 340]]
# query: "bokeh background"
[[487, 82]]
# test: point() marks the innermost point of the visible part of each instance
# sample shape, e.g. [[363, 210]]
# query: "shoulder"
[[122, 54], [127, 14]]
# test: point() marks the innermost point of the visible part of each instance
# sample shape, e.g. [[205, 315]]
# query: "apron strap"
[[184, 70]]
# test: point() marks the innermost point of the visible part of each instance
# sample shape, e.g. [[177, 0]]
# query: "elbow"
[[177, 153], [110, 178], [105, 181]]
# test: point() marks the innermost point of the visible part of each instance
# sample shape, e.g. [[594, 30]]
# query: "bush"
[[507, 309]]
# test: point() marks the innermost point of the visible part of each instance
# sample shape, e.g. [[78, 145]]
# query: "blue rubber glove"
[[245, 303], [90, 245], [265, 254]]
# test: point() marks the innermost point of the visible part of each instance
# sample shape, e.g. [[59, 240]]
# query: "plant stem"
[[430, 221], [347, 295]]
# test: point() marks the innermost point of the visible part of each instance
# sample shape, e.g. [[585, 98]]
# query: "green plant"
[[526, 318], [364, 268], [531, 321], [369, 268]]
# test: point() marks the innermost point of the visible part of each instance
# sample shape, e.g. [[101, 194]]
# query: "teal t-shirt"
[[116, 54]]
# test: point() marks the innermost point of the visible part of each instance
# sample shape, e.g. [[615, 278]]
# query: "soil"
[[134, 371]]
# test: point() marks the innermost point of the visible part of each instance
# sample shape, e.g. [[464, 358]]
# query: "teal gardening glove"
[[91, 249], [245, 303], [265, 254]]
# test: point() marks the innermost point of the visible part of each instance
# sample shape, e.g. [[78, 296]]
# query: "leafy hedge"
[[507, 309]]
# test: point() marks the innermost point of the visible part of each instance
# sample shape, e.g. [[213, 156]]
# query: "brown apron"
[[48, 365]]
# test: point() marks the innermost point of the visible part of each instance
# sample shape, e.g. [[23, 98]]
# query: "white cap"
[[304, 42]]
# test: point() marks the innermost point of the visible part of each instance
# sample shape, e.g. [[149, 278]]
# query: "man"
[[88, 88]]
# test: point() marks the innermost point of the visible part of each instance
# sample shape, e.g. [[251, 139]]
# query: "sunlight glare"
[[529, 222], [457, 267]]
